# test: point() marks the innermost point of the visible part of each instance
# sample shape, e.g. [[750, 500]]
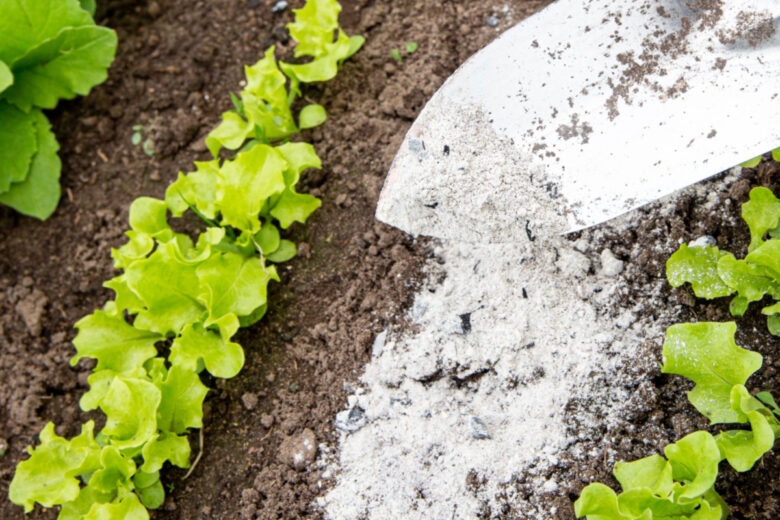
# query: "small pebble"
[[479, 429], [610, 265], [250, 400], [267, 420], [279, 6], [153, 9], [298, 451], [492, 21]]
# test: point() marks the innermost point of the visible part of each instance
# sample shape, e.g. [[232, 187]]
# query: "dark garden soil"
[[176, 63]]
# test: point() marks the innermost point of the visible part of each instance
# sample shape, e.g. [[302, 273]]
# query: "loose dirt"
[[176, 64]]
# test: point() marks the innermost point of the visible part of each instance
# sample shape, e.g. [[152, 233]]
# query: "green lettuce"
[[49, 50]]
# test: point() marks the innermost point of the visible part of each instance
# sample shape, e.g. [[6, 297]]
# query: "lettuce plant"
[[185, 297], [49, 50], [681, 486]]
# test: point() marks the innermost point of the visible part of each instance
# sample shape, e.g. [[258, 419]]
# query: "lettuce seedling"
[[49, 50]]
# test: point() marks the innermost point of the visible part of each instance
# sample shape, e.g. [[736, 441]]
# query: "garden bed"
[[354, 278]]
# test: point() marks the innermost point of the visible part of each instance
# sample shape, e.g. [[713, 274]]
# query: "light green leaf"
[[150, 216], [115, 344], [71, 63], [752, 163], [265, 99], [115, 472], [311, 116], [138, 246], [88, 6], [268, 238], [598, 502], [643, 503], [152, 496], [231, 133], [233, 283], [653, 473], [6, 77], [707, 354], [125, 299], [776, 154], [197, 188], [27, 23], [313, 27], [38, 194], [100, 384], [768, 256], [286, 251], [18, 144], [222, 358], [412, 47], [166, 447], [126, 506], [181, 406], [131, 412], [326, 65], [169, 289], [49, 475], [761, 213], [299, 156], [750, 281], [294, 207], [699, 266], [78, 509], [742, 448], [246, 182], [694, 460]]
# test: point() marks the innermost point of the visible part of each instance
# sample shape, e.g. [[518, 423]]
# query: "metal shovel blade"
[[586, 110]]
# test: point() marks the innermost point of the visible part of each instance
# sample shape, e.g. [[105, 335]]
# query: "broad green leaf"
[[166, 447], [742, 448], [27, 23], [38, 194], [286, 251], [125, 299], [772, 312], [116, 471], [169, 289], [707, 354], [49, 475], [643, 503], [6, 77], [152, 496], [653, 473], [18, 144], [197, 188], [265, 99], [115, 344], [750, 281], [150, 216], [313, 27], [299, 156], [326, 65], [246, 182], [268, 238], [126, 506], [694, 460], [231, 133], [181, 406], [257, 315], [131, 412], [768, 256], [100, 384], [233, 283], [699, 266], [88, 6], [761, 213], [222, 358], [78, 509], [598, 502], [138, 246], [67, 65], [294, 207], [311, 116]]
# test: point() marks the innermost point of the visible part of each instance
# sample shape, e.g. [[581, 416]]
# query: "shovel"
[[586, 110]]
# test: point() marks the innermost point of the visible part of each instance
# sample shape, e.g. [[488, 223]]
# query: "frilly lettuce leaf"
[[181, 404], [49, 475], [653, 473], [694, 460], [115, 344], [707, 354], [116, 471], [149, 216], [164, 447], [126, 506], [599, 502], [246, 182], [751, 282], [761, 213], [18, 145], [39, 193], [196, 188], [231, 133], [743, 448], [6, 77], [699, 266], [220, 357], [131, 412]]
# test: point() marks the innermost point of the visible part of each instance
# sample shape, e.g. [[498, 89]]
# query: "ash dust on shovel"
[[531, 368]]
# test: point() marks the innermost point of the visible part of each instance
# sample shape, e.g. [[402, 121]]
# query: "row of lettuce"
[[178, 301], [682, 485]]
